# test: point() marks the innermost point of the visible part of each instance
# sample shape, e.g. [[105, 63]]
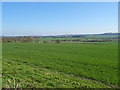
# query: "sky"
[[58, 18]]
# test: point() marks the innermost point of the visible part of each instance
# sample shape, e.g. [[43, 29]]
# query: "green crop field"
[[63, 65], [82, 38]]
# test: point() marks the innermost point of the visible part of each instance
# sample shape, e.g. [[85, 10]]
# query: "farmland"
[[62, 65]]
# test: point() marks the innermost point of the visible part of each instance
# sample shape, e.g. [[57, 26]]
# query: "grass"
[[88, 65], [26, 75]]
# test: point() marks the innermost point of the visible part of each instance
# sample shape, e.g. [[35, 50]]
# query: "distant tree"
[[57, 41], [87, 40], [45, 42]]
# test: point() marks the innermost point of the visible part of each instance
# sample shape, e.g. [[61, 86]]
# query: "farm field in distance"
[[60, 65]]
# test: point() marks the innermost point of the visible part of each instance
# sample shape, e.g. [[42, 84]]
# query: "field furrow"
[[33, 76], [89, 65]]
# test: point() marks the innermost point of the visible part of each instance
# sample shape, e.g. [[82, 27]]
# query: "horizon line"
[[61, 34]]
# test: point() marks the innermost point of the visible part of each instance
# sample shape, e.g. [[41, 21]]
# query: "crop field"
[[60, 65], [82, 38]]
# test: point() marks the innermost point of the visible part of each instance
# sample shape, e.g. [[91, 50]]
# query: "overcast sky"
[[50, 18]]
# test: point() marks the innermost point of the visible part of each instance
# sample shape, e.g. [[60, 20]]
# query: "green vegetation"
[[60, 65], [25, 75], [0, 65], [98, 37]]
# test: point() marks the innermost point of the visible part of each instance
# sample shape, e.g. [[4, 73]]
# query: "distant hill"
[[109, 34], [71, 35], [82, 35]]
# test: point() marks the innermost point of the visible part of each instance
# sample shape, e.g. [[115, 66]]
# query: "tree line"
[[20, 39], [36, 39]]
